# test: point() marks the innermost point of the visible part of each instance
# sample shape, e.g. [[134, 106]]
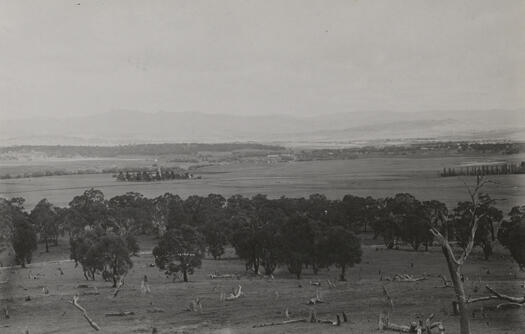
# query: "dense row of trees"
[[68, 151], [429, 148], [135, 174], [157, 175], [406, 219], [295, 233], [511, 234], [56, 172]]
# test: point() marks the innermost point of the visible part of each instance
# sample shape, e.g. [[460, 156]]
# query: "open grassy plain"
[[377, 177], [361, 297]]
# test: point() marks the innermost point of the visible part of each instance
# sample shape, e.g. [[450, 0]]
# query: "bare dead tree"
[[454, 263]]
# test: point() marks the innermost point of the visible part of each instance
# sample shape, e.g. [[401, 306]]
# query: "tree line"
[[148, 175], [294, 233], [134, 174], [428, 148], [67, 151]]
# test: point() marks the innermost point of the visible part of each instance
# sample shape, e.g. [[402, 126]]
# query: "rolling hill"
[[131, 127]]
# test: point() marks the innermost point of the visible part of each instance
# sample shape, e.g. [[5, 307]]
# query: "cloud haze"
[[259, 57]]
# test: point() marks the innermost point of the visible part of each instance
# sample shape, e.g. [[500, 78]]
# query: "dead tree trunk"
[[455, 275], [455, 264]]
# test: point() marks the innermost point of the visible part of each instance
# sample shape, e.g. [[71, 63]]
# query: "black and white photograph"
[[262, 166]]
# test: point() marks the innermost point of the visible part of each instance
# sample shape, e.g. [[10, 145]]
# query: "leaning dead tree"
[[454, 263], [84, 313]]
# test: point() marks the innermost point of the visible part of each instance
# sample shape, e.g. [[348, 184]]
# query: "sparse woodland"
[[298, 234]]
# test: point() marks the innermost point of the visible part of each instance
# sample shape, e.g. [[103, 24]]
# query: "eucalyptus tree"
[[511, 234], [47, 222], [180, 249]]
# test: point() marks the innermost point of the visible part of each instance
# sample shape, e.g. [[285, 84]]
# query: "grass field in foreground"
[[361, 297]]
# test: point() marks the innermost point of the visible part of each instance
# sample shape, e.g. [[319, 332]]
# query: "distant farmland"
[[377, 177]]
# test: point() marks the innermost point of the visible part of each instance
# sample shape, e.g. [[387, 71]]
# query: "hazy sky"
[[251, 57]]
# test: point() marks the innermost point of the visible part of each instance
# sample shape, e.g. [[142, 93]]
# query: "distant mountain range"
[[131, 127]]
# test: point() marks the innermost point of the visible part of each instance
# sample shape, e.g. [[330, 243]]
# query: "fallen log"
[[234, 295], [216, 276], [315, 300], [155, 310], [84, 313], [90, 293], [119, 314], [195, 305], [414, 327], [313, 319], [505, 306], [446, 283], [513, 302], [517, 300], [285, 322], [407, 278]]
